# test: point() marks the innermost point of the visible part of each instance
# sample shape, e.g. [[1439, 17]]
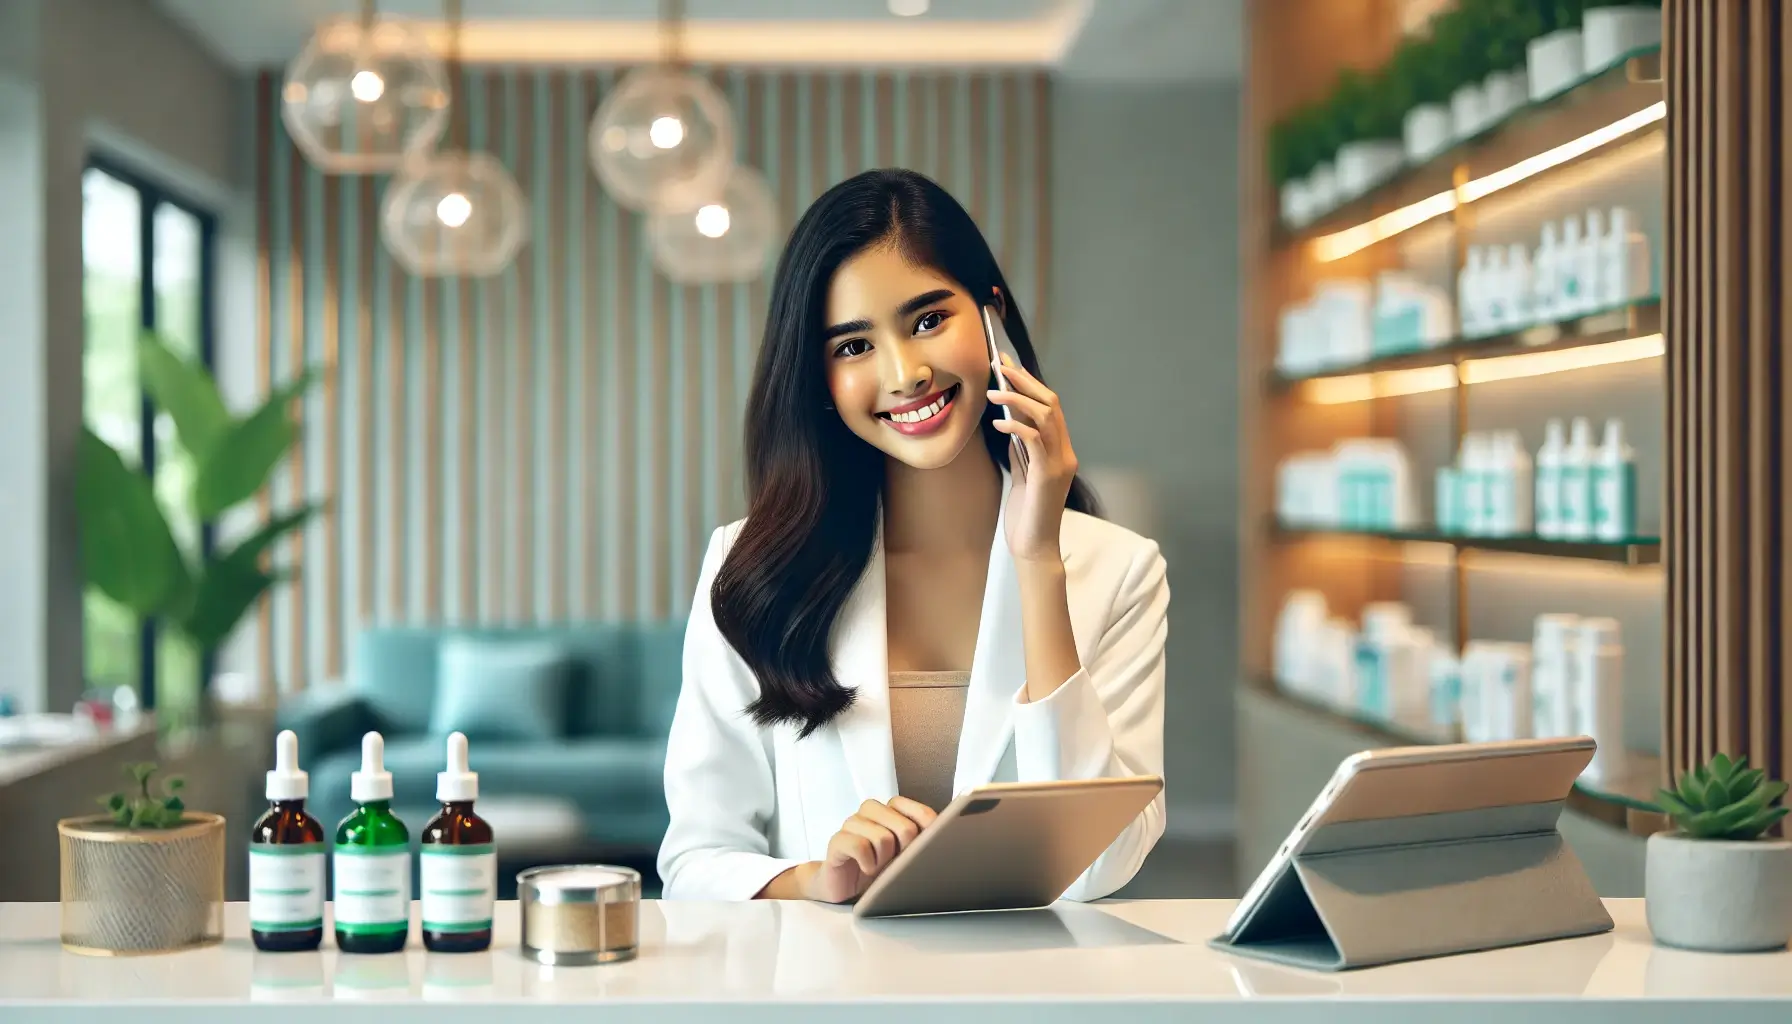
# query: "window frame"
[[151, 196]]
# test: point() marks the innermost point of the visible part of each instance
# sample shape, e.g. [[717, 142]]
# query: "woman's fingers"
[[851, 846], [900, 825], [1032, 409], [884, 844], [914, 810], [1026, 383]]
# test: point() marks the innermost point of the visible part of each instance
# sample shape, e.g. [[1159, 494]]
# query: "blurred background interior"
[[1268, 249], [517, 447]]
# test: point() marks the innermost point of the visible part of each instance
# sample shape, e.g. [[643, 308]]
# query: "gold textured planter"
[[128, 893]]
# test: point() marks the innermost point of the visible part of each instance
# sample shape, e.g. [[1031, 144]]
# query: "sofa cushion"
[[492, 689]]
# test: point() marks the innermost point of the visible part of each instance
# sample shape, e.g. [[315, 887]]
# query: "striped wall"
[[555, 443]]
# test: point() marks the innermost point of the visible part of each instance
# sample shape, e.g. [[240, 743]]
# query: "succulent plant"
[[142, 809], [1724, 799]]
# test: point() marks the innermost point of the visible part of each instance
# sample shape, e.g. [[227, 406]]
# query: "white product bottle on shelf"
[[1510, 714], [1591, 246], [1298, 628], [1473, 484], [1614, 486], [1500, 492], [1599, 696], [1469, 285], [1545, 270], [1411, 681], [1446, 692], [1548, 490], [1518, 520], [1623, 261], [1552, 675], [1519, 314], [1571, 293], [1496, 297], [1577, 482], [1385, 625]]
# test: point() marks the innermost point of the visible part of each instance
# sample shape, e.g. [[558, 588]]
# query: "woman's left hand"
[[1036, 497]]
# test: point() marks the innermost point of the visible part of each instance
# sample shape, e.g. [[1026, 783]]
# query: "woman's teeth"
[[930, 411]]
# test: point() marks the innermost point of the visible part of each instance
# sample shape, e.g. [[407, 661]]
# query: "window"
[[147, 265]]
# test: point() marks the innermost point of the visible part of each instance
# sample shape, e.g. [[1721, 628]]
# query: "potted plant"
[[1420, 83], [1716, 883], [1363, 105], [128, 549], [1555, 59], [147, 876], [1457, 33], [1614, 29]]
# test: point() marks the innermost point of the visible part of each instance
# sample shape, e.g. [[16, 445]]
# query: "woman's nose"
[[903, 374]]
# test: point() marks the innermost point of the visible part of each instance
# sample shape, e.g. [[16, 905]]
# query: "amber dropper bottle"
[[459, 868], [286, 861]]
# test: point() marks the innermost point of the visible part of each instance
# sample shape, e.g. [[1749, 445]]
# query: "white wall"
[[77, 75], [1143, 333]]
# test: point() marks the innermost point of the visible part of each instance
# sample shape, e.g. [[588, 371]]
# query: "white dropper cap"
[[1552, 435], [1581, 434], [1614, 435], [458, 783], [373, 781], [286, 781]]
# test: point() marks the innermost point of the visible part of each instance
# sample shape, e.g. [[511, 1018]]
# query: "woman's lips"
[[925, 420]]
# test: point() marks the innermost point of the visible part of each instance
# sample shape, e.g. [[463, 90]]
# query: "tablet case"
[[1374, 892]]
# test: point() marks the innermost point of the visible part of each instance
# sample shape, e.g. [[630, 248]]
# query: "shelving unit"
[[1554, 140]]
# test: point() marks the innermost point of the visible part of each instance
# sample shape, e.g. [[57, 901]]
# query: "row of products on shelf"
[[1573, 490], [1568, 681], [370, 862], [1580, 266]]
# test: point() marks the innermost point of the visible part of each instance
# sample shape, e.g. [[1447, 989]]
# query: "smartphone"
[[996, 339]]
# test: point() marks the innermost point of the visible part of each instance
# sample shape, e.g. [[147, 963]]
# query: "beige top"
[[926, 717]]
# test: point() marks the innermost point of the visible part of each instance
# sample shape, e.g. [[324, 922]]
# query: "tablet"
[[1372, 787], [1008, 846]]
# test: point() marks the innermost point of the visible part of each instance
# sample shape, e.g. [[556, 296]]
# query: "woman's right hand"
[[864, 846]]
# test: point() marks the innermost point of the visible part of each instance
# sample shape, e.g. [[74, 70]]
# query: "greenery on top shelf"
[[1590, 4], [1562, 14], [1417, 75]]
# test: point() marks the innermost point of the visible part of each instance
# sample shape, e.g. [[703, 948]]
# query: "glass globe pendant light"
[[663, 139], [363, 96], [725, 238], [454, 213]]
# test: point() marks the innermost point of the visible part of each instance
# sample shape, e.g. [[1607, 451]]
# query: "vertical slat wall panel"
[[1728, 383], [557, 441]]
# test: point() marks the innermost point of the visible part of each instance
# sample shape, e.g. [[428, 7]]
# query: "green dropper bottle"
[[372, 862]]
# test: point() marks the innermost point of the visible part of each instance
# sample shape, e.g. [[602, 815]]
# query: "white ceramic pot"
[[1468, 110], [1322, 190], [1295, 203], [1426, 132], [1718, 896], [1553, 62], [1609, 33], [1364, 165], [1502, 93]]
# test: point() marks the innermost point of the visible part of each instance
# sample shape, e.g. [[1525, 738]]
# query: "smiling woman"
[[898, 618]]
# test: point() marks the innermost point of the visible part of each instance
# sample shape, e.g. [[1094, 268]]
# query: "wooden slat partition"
[[1727, 238]]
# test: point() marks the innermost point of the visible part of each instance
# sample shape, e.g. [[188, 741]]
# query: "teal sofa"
[[608, 761]]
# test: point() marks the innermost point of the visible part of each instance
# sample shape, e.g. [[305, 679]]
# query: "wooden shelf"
[[1616, 324], [1630, 84], [1629, 551], [1622, 803]]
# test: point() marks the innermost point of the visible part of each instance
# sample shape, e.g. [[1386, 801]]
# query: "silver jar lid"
[[579, 883]]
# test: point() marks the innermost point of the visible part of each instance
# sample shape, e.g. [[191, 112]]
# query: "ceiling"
[[1097, 39]]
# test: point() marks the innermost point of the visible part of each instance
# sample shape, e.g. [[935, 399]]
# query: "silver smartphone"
[[996, 340]]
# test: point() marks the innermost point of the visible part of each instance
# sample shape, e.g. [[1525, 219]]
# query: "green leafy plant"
[[1724, 799], [139, 808], [1460, 37], [1508, 27], [1562, 14], [1417, 76], [1588, 5], [128, 549]]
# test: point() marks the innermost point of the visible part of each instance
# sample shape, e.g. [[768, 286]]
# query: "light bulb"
[[712, 220], [454, 209], [666, 132], [367, 86], [908, 8]]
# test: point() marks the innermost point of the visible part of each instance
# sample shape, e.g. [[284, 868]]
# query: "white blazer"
[[747, 802]]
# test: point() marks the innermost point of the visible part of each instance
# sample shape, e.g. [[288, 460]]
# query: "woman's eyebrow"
[[911, 306]]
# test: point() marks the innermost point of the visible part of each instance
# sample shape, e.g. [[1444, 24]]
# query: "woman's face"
[[905, 357]]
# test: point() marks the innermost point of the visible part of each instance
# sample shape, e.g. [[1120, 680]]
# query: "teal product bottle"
[[1614, 486], [460, 863], [286, 861], [1449, 500], [372, 862]]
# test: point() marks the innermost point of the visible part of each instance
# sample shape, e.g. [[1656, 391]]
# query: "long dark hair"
[[813, 487]]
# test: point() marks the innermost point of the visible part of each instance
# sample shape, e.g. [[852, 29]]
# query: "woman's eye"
[[930, 322], [851, 347]]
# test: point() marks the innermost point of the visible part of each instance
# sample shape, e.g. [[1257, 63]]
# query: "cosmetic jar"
[[579, 914]]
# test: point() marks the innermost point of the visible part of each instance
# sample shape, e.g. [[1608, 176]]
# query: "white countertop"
[[789, 962]]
